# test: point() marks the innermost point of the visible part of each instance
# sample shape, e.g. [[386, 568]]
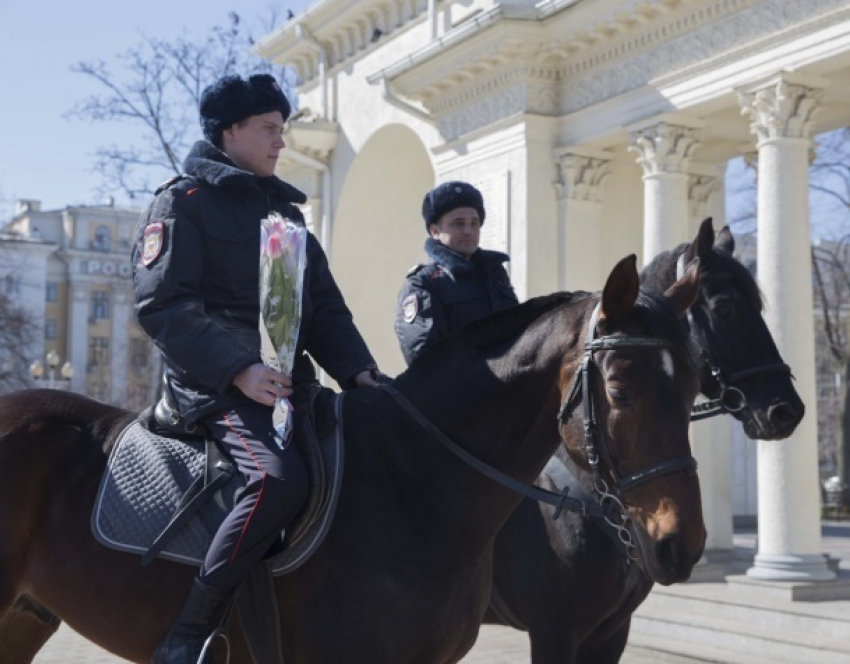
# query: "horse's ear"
[[725, 241], [683, 294], [621, 290], [702, 244]]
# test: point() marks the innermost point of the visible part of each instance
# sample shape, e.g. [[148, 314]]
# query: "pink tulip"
[[275, 248]]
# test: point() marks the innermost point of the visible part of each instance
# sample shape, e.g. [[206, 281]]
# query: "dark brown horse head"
[[643, 381], [740, 364]]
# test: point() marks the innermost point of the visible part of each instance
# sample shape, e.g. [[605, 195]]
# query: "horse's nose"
[[673, 556], [784, 416]]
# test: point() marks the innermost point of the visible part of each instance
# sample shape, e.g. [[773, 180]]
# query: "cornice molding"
[[344, 28]]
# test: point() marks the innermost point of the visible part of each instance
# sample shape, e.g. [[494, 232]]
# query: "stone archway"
[[378, 231]]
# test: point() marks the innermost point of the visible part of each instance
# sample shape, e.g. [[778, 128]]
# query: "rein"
[[732, 399], [609, 507]]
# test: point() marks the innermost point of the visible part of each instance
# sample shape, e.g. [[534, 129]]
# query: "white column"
[[580, 186], [78, 330], [120, 345], [664, 146], [781, 111]]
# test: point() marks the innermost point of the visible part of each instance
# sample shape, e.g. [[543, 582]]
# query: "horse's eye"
[[724, 309], [620, 395]]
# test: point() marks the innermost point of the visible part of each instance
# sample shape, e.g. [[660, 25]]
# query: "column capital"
[[582, 174], [783, 106], [700, 190], [666, 146]]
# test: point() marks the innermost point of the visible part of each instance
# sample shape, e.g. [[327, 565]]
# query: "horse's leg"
[[552, 644], [24, 629], [606, 650]]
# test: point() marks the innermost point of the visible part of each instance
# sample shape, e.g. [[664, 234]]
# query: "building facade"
[[75, 271], [595, 129]]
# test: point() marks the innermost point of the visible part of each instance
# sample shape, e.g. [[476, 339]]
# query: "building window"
[[99, 305], [12, 285], [98, 352], [139, 353], [102, 239], [50, 329], [51, 292]]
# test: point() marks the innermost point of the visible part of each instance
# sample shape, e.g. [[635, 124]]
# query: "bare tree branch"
[[157, 87]]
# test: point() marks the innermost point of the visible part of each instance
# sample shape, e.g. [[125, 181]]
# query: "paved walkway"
[[496, 645]]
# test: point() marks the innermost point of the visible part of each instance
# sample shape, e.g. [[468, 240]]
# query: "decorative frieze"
[[781, 109], [718, 32], [665, 147]]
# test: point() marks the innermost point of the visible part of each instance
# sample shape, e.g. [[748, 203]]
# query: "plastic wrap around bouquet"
[[283, 256]]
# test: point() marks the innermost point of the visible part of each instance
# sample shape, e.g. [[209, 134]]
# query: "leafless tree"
[[156, 85], [831, 265], [18, 327]]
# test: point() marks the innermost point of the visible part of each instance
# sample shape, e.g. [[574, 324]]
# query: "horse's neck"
[[501, 411]]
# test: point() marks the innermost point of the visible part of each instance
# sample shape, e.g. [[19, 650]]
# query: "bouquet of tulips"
[[283, 256]]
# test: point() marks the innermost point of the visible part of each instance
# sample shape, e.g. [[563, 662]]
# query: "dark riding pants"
[[277, 487]]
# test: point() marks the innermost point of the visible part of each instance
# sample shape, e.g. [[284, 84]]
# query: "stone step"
[[739, 636], [688, 652], [743, 603]]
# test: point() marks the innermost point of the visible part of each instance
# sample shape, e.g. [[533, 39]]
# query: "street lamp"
[[50, 380]]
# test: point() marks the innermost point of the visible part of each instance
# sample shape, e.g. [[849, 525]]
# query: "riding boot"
[[200, 616]]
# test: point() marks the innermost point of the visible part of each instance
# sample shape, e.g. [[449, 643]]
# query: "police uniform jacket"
[[447, 292], [196, 282]]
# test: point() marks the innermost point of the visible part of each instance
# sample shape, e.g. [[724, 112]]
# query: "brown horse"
[[405, 571], [566, 582]]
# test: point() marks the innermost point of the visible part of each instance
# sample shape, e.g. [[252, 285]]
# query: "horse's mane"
[[497, 328], [661, 321], [662, 269], [39, 408], [503, 327]]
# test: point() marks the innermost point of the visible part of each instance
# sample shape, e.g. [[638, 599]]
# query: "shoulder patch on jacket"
[[152, 242], [410, 307]]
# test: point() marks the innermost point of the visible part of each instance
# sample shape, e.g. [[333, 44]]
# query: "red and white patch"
[[410, 307], [152, 242]]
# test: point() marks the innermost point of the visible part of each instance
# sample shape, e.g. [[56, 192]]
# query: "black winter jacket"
[[447, 292], [196, 281]]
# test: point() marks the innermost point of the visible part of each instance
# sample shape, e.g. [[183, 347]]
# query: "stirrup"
[[208, 646]]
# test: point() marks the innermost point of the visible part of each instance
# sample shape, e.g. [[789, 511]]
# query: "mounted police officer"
[[196, 279], [460, 282]]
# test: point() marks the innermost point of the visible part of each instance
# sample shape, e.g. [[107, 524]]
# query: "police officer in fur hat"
[[460, 282], [196, 282]]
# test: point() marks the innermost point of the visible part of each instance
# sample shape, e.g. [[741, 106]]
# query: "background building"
[[71, 268]]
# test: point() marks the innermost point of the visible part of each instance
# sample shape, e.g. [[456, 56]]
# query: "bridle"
[[732, 399], [596, 442], [608, 505]]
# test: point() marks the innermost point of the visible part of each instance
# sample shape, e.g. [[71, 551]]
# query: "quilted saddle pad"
[[146, 478]]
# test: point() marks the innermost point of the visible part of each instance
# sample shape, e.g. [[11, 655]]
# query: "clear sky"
[[44, 155]]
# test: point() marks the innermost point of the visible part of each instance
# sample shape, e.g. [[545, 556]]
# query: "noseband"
[[596, 443], [732, 399]]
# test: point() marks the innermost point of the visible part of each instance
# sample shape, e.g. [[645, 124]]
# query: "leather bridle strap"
[[688, 464], [732, 399], [560, 501]]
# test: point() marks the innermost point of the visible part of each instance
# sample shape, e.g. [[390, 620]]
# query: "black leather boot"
[[199, 617]]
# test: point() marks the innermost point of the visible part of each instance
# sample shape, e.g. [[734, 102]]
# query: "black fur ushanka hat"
[[450, 196], [231, 99]]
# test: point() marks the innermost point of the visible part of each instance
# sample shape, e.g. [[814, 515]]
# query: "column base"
[[790, 567]]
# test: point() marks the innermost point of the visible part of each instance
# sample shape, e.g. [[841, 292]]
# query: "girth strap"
[[560, 501]]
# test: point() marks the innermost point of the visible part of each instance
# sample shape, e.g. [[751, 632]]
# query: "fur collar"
[[206, 162]]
